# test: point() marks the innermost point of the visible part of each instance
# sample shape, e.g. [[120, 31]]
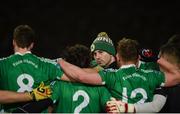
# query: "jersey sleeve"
[[55, 86], [157, 78], [108, 78], [149, 66], [55, 72]]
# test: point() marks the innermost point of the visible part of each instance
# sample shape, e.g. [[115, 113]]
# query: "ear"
[[14, 43], [139, 57], [117, 57], [118, 60], [138, 61], [31, 46]]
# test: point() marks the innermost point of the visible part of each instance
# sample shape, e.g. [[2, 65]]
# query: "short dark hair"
[[128, 49], [78, 54], [172, 50], [24, 36]]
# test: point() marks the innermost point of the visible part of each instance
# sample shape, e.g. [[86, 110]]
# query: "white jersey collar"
[[127, 66], [139, 63], [18, 53]]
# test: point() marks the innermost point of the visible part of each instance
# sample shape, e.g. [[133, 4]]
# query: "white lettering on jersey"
[[133, 95], [84, 103]]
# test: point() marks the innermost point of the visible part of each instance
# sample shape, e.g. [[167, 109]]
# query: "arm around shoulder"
[[88, 76]]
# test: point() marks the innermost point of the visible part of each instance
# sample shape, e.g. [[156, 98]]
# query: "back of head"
[[104, 43], [171, 52], [128, 49], [23, 36], [78, 55]]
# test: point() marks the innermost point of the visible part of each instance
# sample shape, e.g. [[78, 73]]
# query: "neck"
[[21, 50], [112, 60], [128, 63]]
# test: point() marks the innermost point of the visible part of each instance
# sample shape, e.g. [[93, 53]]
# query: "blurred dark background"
[[62, 23]]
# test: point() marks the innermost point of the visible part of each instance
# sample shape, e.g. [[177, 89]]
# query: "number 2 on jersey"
[[84, 103], [133, 95]]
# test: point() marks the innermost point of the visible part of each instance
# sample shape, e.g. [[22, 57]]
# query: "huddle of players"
[[77, 97], [128, 83]]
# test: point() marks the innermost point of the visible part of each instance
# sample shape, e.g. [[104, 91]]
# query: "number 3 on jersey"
[[22, 85], [84, 103]]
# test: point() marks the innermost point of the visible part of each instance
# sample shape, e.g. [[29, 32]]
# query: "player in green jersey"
[[77, 97], [128, 83], [23, 70], [170, 52], [39, 93]]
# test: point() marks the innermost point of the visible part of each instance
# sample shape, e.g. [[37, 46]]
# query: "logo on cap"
[[92, 47]]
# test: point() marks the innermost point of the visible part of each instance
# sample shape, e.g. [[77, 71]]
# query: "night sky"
[[63, 23]]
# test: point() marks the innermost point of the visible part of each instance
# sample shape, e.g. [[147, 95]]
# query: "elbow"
[[160, 102]]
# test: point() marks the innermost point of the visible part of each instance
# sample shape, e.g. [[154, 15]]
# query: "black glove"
[[34, 106]]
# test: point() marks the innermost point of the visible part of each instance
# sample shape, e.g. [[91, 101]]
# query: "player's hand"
[[117, 106], [147, 55], [41, 92], [111, 106]]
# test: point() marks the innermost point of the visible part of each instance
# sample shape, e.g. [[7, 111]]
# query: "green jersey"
[[24, 72], [148, 65], [80, 98], [132, 85]]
